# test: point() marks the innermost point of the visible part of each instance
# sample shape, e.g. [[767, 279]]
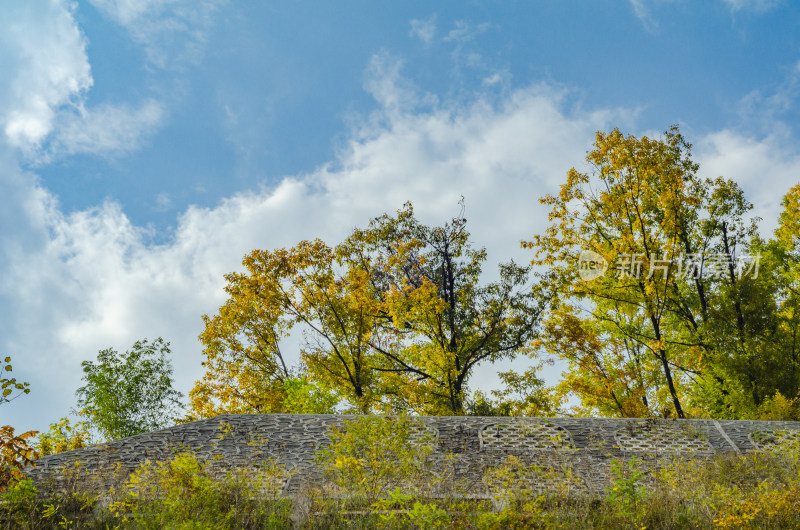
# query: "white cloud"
[[497, 79], [466, 52], [424, 29], [766, 153], [766, 110], [129, 12], [465, 31], [43, 91], [765, 168], [163, 202], [758, 6], [642, 12], [643, 9], [105, 129], [171, 31], [44, 67], [386, 84]]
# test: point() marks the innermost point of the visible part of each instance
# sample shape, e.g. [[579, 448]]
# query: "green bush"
[[185, 493], [374, 455]]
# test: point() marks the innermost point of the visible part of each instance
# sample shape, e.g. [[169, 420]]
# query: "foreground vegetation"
[[379, 476]]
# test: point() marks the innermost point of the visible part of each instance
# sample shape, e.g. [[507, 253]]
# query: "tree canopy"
[[691, 314], [651, 284], [130, 393], [394, 318]]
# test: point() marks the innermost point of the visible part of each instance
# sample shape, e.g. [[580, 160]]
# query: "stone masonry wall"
[[587, 446]]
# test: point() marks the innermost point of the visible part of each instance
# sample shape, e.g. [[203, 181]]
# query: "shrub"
[[15, 450], [19, 503], [374, 455], [63, 436], [186, 493], [15, 454]]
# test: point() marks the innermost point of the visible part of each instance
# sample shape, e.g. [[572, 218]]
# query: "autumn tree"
[[394, 318], [665, 326], [787, 251], [787, 241], [304, 288], [426, 282]]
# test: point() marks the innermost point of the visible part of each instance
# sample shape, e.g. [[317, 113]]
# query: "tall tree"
[[427, 283], [304, 288], [779, 356], [650, 327], [394, 318], [130, 393], [787, 241]]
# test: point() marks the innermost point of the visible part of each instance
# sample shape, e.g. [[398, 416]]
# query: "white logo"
[[591, 265]]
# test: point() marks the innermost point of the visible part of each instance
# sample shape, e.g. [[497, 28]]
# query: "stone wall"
[[586, 446]]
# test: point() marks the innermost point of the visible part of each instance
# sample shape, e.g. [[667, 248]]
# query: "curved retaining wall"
[[586, 446]]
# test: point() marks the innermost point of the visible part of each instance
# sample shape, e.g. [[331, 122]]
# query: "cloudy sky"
[[147, 145]]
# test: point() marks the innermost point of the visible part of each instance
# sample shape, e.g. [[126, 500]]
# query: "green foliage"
[[428, 515], [627, 487], [779, 408], [130, 393], [18, 507], [304, 397], [401, 510], [20, 493], [18, 503]]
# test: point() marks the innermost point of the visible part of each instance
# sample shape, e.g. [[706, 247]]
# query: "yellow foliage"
[[394, 319], [643, 336], [64, 436], [15, 454]]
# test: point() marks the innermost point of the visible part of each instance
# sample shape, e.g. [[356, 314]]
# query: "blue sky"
[[147, 145]]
